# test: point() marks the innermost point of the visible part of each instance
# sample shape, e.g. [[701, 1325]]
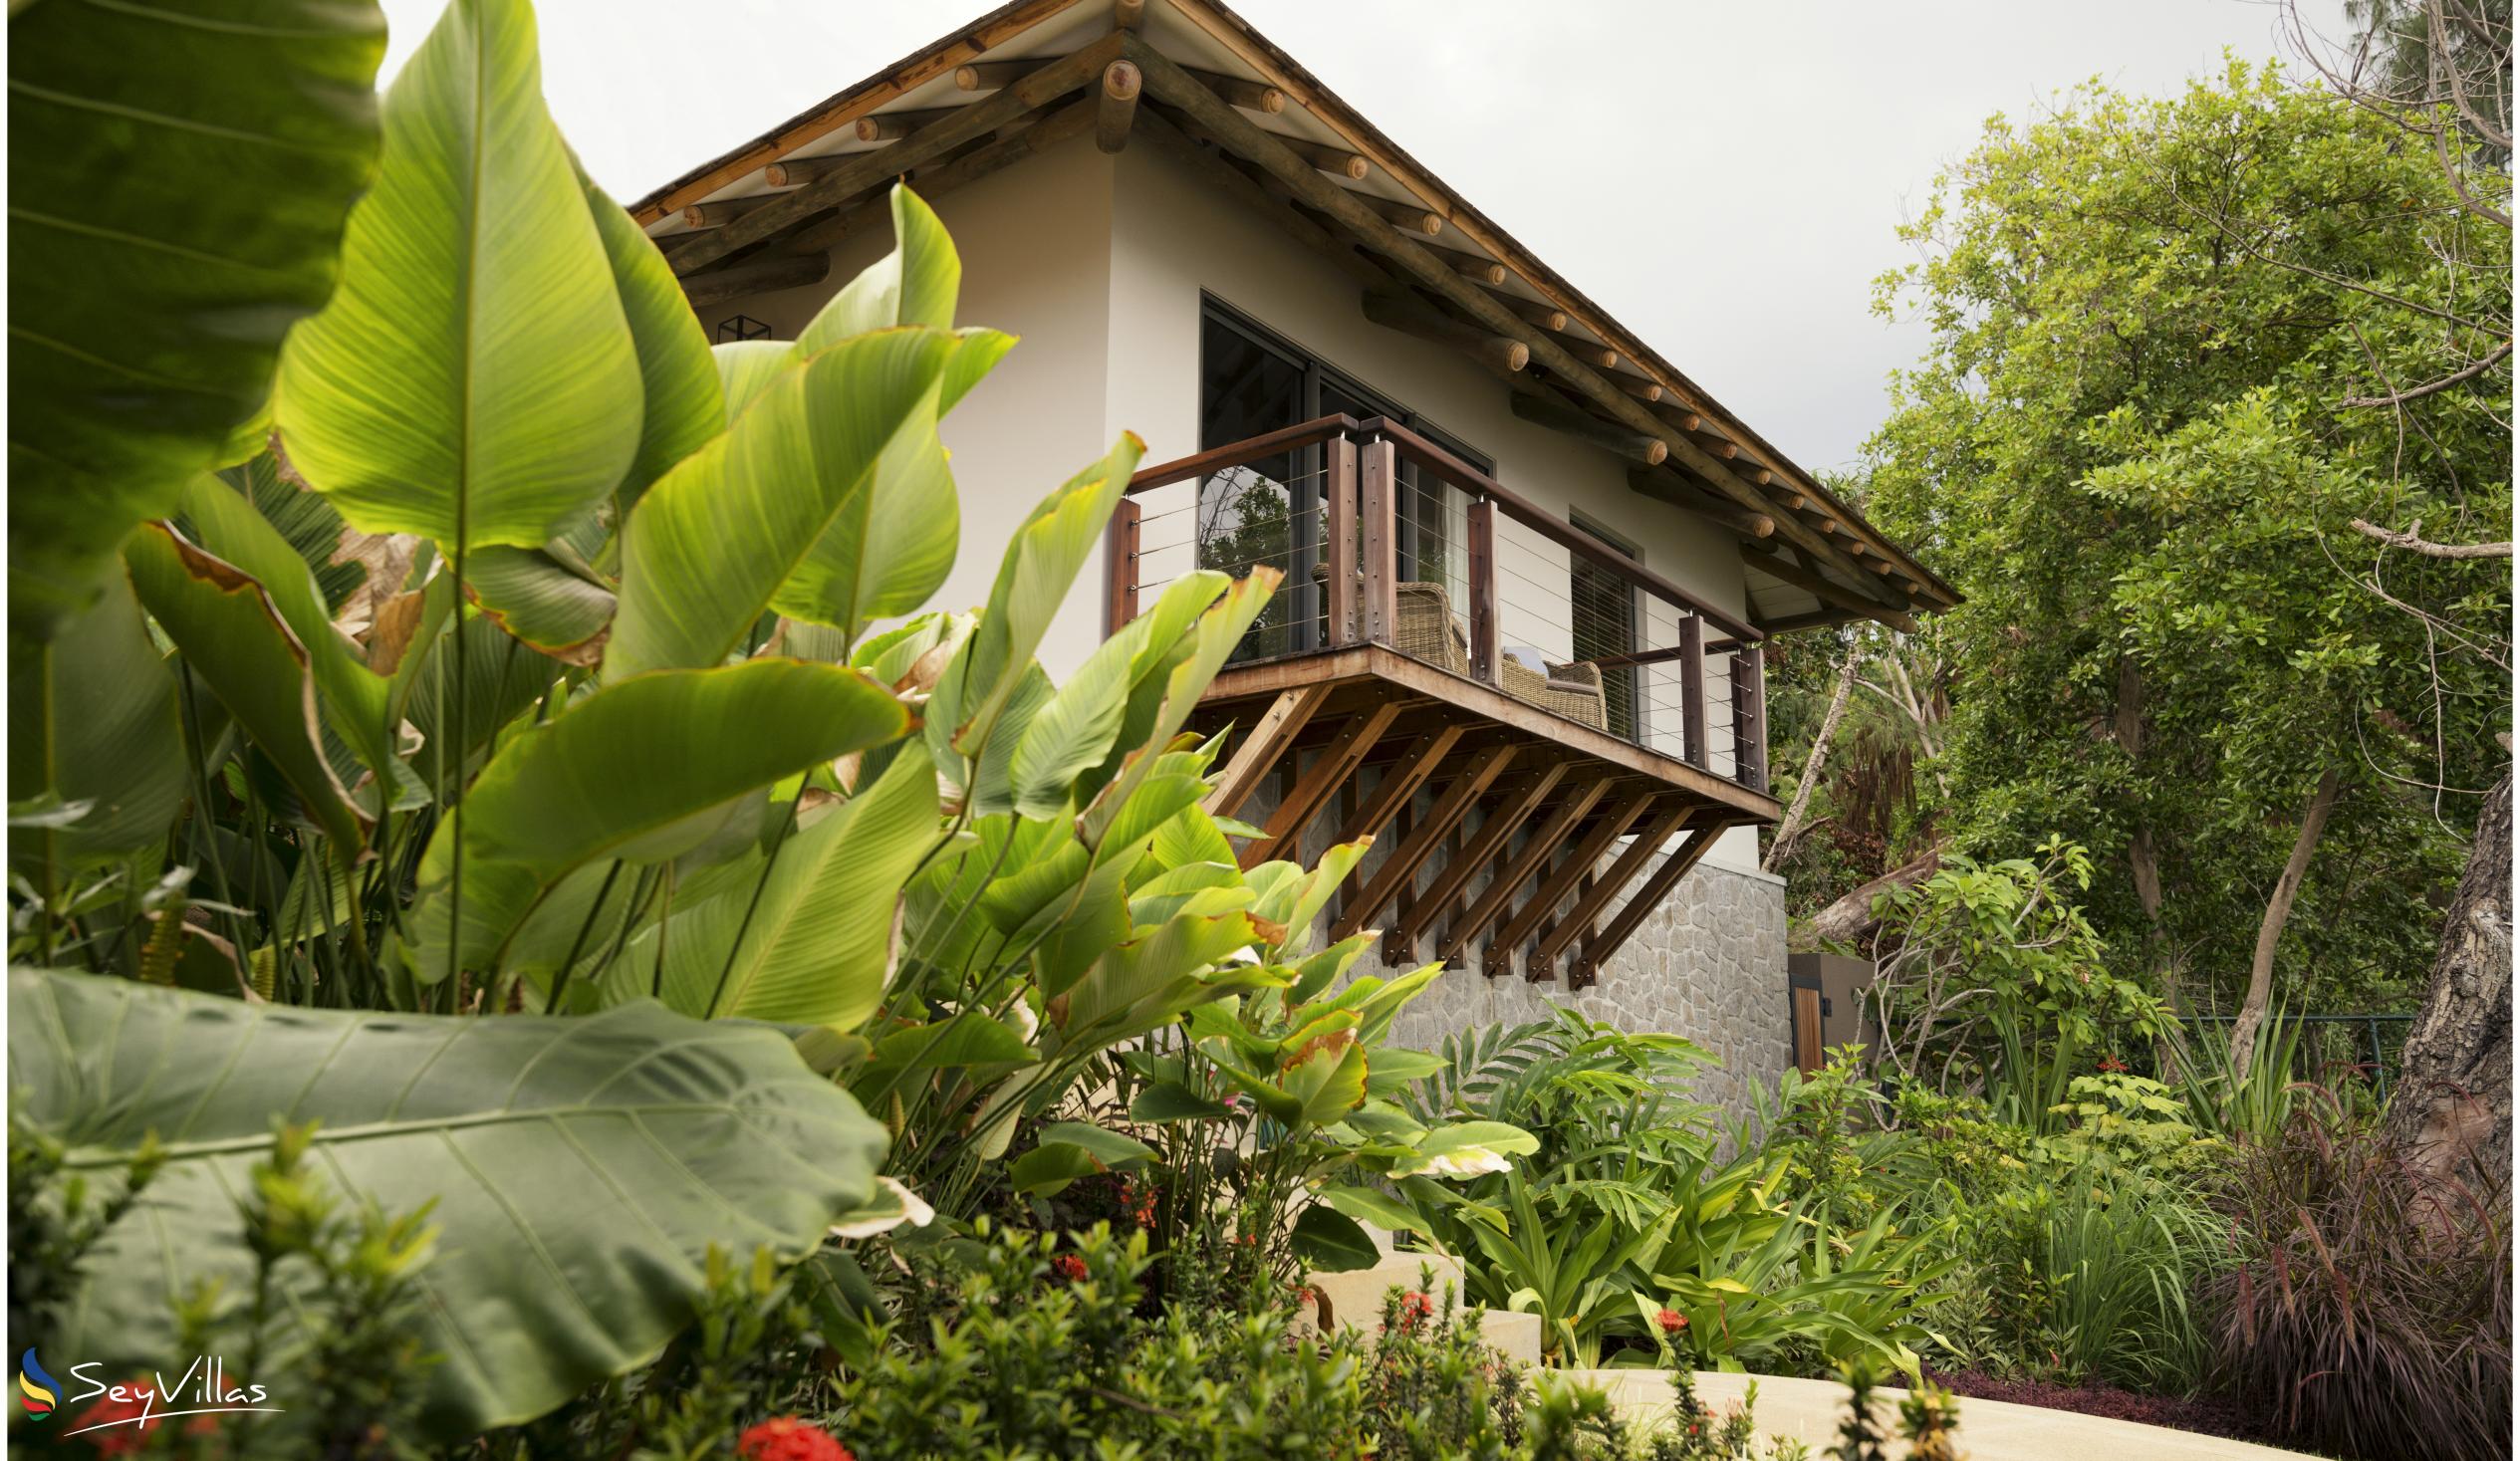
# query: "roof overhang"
[[1202, 84]]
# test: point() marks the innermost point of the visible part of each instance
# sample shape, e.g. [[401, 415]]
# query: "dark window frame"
[[1322, 375]]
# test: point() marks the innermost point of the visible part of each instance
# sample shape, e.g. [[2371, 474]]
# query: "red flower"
[[1415, 1306], [789, 1439], [1070, 1266], [2110, 1064], [1672, 1321], [123, 1416]]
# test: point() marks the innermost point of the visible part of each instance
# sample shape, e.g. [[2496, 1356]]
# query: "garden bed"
[[2203, 1415]]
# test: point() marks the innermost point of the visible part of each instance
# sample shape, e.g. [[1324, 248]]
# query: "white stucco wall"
[[1099, 264]]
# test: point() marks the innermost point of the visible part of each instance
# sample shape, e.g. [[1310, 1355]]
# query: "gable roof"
[[1218, 93]]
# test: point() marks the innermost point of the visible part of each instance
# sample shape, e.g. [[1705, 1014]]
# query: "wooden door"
[[1806, 1025]]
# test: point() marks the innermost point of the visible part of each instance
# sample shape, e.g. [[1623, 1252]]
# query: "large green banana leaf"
[[709, 546], [474, 378], [93, 718], [640, 771], [815, 946], [684, 408], [176, 193], [1039, 566], [580, 1168]]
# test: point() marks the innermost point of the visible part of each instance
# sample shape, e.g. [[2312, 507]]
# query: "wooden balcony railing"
[[1683, 679]]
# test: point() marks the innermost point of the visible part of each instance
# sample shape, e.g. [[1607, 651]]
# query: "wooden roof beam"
[[1599, 949], [1634, 446], [867, 169], [1116, 106], [1399, 870], [1766, 559], [1408, 315], [1667, 488]]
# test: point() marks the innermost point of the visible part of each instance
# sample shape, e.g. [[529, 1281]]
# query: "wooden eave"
[[1858, 571]]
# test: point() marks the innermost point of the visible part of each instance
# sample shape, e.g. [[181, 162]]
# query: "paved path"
[[1808, 1411]]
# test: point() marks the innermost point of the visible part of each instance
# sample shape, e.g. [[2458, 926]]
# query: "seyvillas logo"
[[204, 1388], [40, 1391]]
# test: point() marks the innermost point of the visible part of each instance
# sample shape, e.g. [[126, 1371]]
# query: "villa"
[[1531, 568]]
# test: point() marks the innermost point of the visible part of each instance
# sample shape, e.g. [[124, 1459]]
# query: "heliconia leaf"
[[684, 406], [641, 754], [1039, 566], [919, 283], [150, 312], [891, 547], [1330, 1242], [640, 771], [815, 946], [709, 546], [474, 379], [533, 1144], [1367, 1205], [1145, 978], [93, 719], [1073, 733], [1218, 631], [559, 610], [352, 696], [235, 641]]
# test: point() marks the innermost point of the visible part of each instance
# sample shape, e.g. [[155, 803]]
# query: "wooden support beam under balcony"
[[1316, 784], [1399, 870], [1256, 755], [1540, 961], [1401, 781], [1491, 839], [1599, 949], [1517, 868], [1505, 934]]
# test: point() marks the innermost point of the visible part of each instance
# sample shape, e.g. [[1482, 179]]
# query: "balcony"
[[1532, 715]]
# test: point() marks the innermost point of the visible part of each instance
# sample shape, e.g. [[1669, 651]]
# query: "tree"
[[2131, 446]]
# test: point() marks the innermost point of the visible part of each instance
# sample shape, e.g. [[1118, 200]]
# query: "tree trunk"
[[2453, 1103], [1793, 827], [2270, 930], [1850, 918]]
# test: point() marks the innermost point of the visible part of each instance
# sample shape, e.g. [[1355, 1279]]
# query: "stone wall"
[[1710, 964]]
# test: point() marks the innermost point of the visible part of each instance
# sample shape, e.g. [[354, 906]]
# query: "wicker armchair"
[[1429, 631]]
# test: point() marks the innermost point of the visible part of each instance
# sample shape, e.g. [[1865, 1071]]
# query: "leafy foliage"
[[2127, 447]]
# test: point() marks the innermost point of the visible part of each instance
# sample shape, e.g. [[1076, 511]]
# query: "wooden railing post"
[[1749, 719], [1693, 746], [1120, 604], [1482, 552], [1339, 537], [1380, 528]]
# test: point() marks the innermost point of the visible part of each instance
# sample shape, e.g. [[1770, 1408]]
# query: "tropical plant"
[[1625, 1214], [2369, 1313], [632, 1133], [2168, 340], [1991, 979], [527, 686]]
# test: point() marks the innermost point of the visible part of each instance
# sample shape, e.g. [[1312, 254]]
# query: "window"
[[1251, 381], [1603, 610]]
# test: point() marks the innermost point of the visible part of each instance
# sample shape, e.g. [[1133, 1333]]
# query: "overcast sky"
[[1726, 178]]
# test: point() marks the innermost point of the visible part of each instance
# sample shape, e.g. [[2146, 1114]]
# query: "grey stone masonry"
[[1707, 964]]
